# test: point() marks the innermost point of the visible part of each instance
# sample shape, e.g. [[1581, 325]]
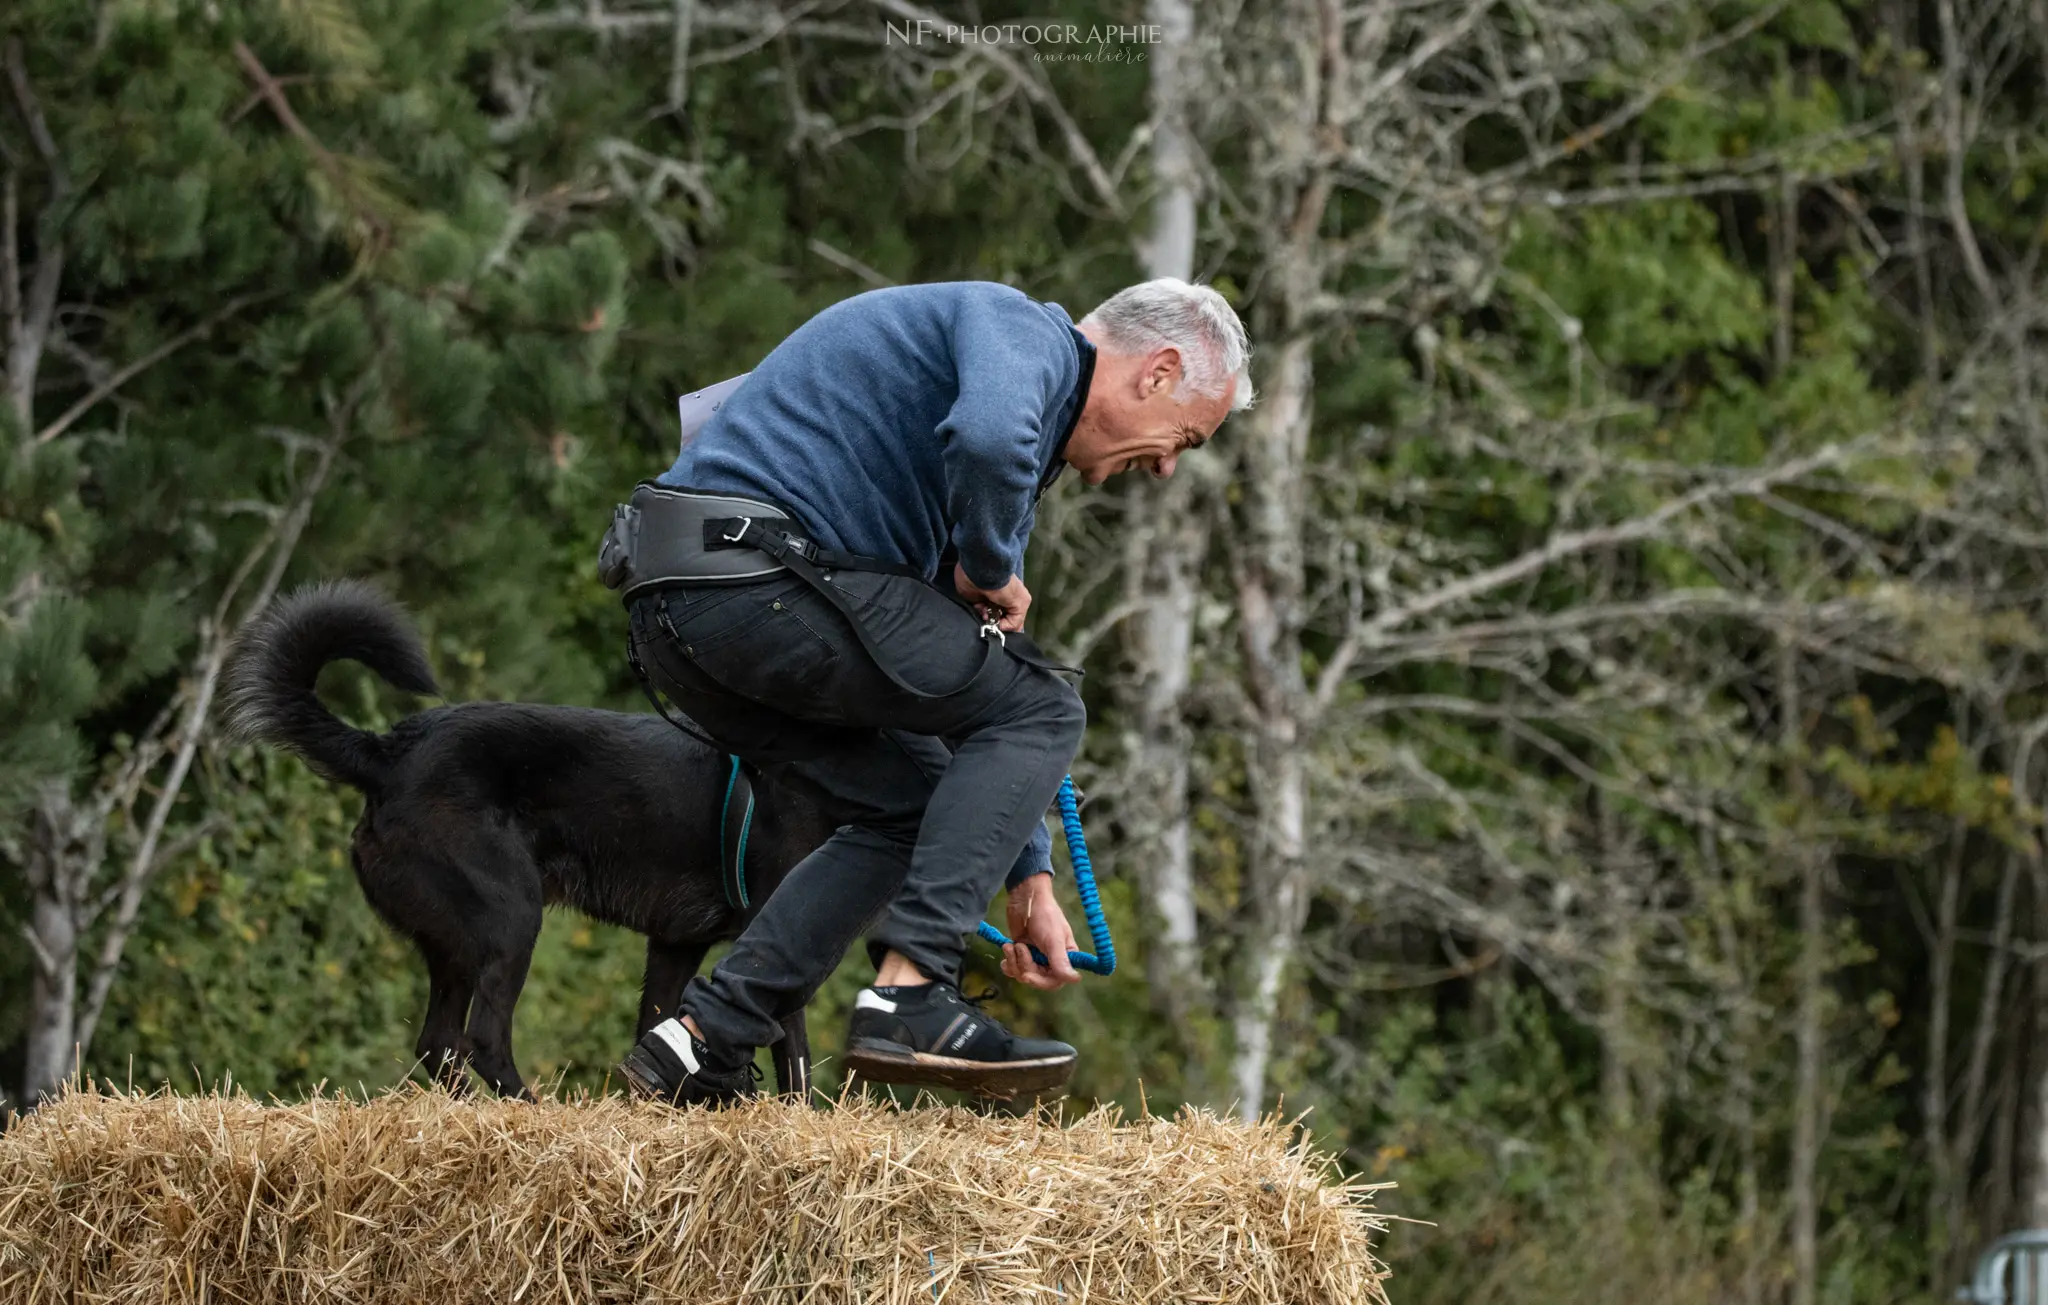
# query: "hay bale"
[[418, 1197]]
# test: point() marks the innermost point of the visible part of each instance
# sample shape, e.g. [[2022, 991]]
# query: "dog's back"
[[617, 812]]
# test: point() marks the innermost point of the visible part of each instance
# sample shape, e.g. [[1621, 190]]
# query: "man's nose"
[[1163, 467]]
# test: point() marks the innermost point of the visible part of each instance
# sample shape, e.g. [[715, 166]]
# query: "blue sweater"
[[917, 424], [907, 424]]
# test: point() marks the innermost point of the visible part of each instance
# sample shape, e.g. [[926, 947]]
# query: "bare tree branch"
[[1367, 633], [129, 372]]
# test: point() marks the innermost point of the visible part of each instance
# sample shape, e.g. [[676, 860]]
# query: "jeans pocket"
[[776, 653], [702, 638]]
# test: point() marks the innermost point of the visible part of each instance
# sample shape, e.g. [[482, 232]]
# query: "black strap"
[[745, 532], [798, 554], [736, 812], [647, 687]]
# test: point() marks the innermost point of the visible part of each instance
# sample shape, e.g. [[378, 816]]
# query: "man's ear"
[[1162, 370]]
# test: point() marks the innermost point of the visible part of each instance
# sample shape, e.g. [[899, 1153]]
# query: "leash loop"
[[1104, 960]]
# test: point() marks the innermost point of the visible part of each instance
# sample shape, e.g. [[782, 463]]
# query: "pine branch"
[[330, 164]]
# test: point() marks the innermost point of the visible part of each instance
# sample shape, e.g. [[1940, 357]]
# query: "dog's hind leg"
[[490, 1019], [792, 1056], [505, 931], [669, 967], [441, 1044]]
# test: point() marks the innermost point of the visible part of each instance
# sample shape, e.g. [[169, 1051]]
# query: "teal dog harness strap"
[[735, 818]]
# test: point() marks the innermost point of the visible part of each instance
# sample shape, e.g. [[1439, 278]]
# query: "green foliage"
[[257, 956], [1483, 1124]]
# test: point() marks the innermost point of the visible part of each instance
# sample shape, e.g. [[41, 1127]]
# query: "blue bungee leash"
[[1104, 959]]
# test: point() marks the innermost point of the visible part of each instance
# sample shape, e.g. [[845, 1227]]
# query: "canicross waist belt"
[[669, 536]]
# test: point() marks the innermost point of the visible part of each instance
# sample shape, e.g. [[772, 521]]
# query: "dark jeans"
[[937, 797]]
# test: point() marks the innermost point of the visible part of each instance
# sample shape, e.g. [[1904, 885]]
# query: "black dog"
[[480, 815]]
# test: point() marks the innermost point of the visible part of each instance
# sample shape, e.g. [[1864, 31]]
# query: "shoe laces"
[[976, 1000], [950, 993]]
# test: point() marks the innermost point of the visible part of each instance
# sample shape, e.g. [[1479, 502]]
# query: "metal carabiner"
[[989, 627]]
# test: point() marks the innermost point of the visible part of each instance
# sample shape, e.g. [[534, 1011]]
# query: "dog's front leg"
[[670, 965]]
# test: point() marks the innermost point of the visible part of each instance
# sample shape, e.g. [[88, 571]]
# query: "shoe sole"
[[636, 1072], [642, 1076], [888, 1063]]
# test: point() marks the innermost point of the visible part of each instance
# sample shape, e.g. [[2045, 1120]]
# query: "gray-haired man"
[[896, 435]]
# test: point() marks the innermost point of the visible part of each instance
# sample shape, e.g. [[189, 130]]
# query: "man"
[[895, 433]]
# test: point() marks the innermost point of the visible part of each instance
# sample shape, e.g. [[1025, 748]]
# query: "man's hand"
[[1007, 604], [1036, 919]]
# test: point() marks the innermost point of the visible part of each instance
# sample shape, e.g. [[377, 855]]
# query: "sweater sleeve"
[[1014, 365], [1035, 859]]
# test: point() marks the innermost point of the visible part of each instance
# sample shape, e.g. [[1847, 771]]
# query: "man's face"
[[1133, 420]]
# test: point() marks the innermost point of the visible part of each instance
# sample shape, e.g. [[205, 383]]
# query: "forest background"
[[1575, 737]]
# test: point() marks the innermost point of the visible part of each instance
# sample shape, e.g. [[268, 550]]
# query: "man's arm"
[[1012, 362], [1035, 859]]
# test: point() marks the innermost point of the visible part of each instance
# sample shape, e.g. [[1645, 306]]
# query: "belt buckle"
[[740, 534]]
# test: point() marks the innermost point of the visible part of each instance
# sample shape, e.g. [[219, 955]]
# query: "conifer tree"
[[272, 296]]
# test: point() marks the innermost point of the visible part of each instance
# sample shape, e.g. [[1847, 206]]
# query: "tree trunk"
[[1617, 981], [1164, 564], [1742, 1106], [1934, 1098], [53, 1000], [29, 291], [1269, 585], [1784, 247], [1811, 975], [2034, 1205], [1806, 1120], [1170, 251], [1271, 566], [1277, 915], [53, 865]]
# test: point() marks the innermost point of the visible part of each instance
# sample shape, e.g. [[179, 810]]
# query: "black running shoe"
[[931, 1036], [672, 1064]]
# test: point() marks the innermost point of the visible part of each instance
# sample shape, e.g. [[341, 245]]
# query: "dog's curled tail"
[[277, 660]]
